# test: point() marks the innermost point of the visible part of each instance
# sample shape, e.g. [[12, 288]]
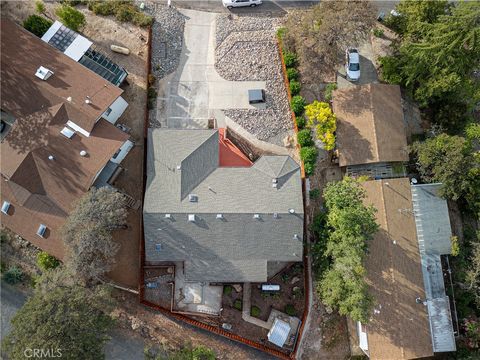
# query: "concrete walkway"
[[195, 92], [246, 305]]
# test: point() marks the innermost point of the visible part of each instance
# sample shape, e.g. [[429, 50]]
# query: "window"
[[108, 111], [5, 207], [354, 67], [192, 198], [116, 154], [41, 230]]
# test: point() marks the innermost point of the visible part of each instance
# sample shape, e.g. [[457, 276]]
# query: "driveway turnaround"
[[195, 92]]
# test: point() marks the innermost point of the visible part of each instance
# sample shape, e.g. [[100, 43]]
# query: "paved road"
[[277, 7], [123, 346]]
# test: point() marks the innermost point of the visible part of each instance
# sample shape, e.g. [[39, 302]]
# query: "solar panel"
[[63, 38]]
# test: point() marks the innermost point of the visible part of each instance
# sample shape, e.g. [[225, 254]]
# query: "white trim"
[[51, 31], [362, 337], [78, 128], [117, 109], [78, 47]]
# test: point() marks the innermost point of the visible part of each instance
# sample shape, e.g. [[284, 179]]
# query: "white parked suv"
[[240, 3], [352, 64]]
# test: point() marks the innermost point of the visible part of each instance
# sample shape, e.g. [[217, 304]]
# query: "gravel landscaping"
[[167, 38], [247, 50]]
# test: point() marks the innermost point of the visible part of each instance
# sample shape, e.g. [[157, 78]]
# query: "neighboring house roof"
[[235, 246], [42, 190], [370, 124], [399, 327], [434, 233], [23, 93]]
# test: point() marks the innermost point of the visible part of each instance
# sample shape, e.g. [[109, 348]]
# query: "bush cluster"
[[300, 122], [294, 87], [255, 311], [237, 304], [46, 262], [304, 138], [329, 91], [292, 74], [37, 25], [124, 11], [290, 310], [309, 155], [289, 58], [13, 275], [298, 105], [227, 290], [71, 17]]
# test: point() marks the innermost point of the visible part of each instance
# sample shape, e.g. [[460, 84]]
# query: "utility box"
[[256, 96]]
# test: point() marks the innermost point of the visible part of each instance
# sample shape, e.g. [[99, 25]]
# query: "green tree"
[[435, 59], [452, 161], [88, 232], [37, 25], [71, 17], [70, 319], [349, 226]]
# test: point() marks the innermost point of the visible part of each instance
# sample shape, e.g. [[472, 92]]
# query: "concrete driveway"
[[368, 73], [195, 92]]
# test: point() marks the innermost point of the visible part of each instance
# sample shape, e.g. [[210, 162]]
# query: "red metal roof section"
[[230, 155]]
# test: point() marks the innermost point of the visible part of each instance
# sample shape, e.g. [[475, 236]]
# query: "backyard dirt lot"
[[103, 32]]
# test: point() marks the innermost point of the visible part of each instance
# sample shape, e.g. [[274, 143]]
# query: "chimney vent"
[[51, 157], [83, 153], [43, 73]]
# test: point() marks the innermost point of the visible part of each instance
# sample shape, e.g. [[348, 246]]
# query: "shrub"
[[309, 154], [39, 7], [455, 246], [237, 304], [46, 261], [298, 104], [37, 25], [13, 275], [289, 58], [292, 74], [140, 19], [255, 311], [71, 17], [151, 93], [227, 290], [304, 138], [125, 12], [281, 32], [203, 353], [300, 122], [104, 8], [151, 79], [295, 87], [321, 117], [329, 91], [390, 67], [309, 168], [378, 32], [290, 310], [314, 194]]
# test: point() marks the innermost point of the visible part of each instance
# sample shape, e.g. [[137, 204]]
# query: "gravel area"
[[167, 37], [247, 50]]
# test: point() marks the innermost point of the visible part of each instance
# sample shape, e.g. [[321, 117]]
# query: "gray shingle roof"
[[237, 247]]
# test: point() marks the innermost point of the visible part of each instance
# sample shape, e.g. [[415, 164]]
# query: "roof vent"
[[295, 237], [168, 216], [192, 198], [87, 100], [83, 153], [413, 181], [274, 180], [69, 99], [5, 207], [41, 230], [220, 216], [275, 215], [67, 132], [256, 216], [191, 217], [179, 167], [158, 247], [51, 157], [291, 211], [43, 73], [274, 185]]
